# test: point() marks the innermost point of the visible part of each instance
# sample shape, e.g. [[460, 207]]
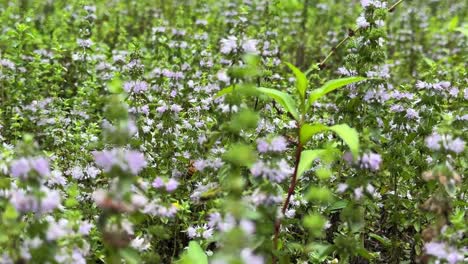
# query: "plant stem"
[[292, 186], [392, 8], [332, 51], [351, 33]]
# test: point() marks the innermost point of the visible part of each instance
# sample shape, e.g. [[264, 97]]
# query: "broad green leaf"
[[307, 131], [314, 223], [453, 23], [307, 158], [429, 62], [194, 254], [364, 253], [463, 30], [331, 86], [9, 214], [338, 205], [385, 241], [224, 91], [130, 255], [115, 86], [321, 195], [301, 80], [284, 99], [349, 136], [240, 155]]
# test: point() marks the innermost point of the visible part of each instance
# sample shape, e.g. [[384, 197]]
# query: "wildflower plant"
[[240, 131]]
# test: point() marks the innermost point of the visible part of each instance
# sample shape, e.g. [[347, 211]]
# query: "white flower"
[[222, 76], [362, 22], [140, 244], [228, 45], [250, 46]]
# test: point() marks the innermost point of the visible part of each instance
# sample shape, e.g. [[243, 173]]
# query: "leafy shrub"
[[244, 131]]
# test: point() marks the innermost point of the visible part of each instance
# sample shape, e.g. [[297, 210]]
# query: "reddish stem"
[[292, 186]]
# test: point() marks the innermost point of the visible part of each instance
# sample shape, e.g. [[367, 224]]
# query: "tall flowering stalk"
[[298, 109]]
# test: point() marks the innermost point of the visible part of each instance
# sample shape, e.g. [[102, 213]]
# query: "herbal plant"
[[175, 131], [304, 132]]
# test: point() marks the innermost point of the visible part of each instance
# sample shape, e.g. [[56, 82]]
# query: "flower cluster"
[[22, 167], [446, 142], [127, 160], [273, 172]]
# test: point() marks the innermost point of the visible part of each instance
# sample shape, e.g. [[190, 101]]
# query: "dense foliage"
[[233, 131]]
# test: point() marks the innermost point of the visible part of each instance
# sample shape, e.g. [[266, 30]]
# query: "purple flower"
[[200, 164], [85, 227], [366, 3], [248, 257], [84, 43], [397, 108], [135, 161], [20, 168], [358, 192], [228, 45], [140, 86], [371, 161], [104, 159], [362, 22], [457, 145], [348, 157], [161, 109], [436, 249], [41, 166], [433, 141], [411, 114], [50, 201], [136, 86], [191, 232], [341, 187], [278, 144], [172, 185], [262, 146], [277, 174], [250, 46], [158, 183], [454, 92], [131, 160], [176, 108], [444, 252]]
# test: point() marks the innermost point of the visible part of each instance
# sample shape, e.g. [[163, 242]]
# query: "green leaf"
[[194, 254], [331, 86], [284, 99], [349, 135], [315, 223], [301, 80], [453, 23], [130, 255], [364, 253], [338, 205], [240, 155], [429, 62], [307, 157], [385, 241], [463, 30], [307, 131], [9, 214], [321, 195], [224, 91], [115, 86]]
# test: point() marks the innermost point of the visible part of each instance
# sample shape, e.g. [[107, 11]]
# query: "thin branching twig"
[[351, 33]]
